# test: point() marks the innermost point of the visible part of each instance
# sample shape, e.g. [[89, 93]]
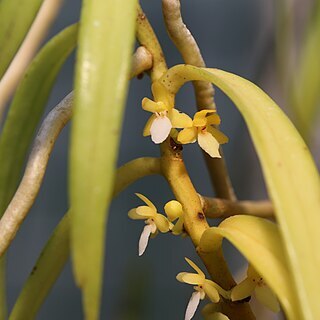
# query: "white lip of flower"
[[160, 127], [154, 221], [203, 287], [164, 119], [254, 283]]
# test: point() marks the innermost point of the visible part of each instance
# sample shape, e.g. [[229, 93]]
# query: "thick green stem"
[[221, 208], [204, 92], [175, 172], [195, 224]]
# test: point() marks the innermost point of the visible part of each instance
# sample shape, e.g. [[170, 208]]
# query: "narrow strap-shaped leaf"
[[44, 274], [16, 17], [105, 46], [305, 92], [27, 108], [260, 242], [291, 175], [54, 255]]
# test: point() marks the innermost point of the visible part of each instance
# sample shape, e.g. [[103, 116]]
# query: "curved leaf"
[[260, 242], [54, 255], [27, 108], [103, 61], [291, 175], [44, 274], [16, 17], [305, 93]]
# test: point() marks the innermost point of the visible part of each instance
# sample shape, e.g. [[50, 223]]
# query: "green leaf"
[[305, 93], [27, 108], [291, 175], [54, 255], [44, 274], [103, 61], [16, 17], [260, 242]]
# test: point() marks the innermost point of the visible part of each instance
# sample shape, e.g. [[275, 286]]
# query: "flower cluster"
[[165, 118], [203, 287], [155, 221]]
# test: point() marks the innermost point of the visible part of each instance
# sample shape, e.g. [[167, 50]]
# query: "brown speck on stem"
[[200, 215], [175, 146]]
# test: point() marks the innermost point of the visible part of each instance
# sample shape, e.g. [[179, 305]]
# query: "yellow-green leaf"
[[305, 93], [260, 242], [56, 252], [105, 46], [16, 17], [44, 274], [27, 108], [291, 175]]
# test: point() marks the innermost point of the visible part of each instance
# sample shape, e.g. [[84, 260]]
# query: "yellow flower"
[[173, 210], [255, 283], [164, 117], [154, 221], [202, 286], [209, 138]]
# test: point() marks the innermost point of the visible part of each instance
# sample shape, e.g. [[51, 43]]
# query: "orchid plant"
[[279, 238]]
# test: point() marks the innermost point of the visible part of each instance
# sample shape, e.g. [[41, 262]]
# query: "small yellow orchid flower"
[[154, 221], [164, 117], [209, 138], [203, 287], [163, 120], [254, 283], [173, 210]]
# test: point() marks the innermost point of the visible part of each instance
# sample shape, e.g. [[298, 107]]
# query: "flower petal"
[[180, 275], [179, 119], [178, 227], [195, 267], [160, 129], [162, 223], [188, 135], [192, 278], [144, 239], [213, 119], [146, 201], [146, 130], [211, 291], [145, 212], [192, 305], [209, 144], [199, 119], [267, 298], [160, 93], [134, 215], [219, 136], [242, 290], [252, 272], [149, 105], [173, 209]]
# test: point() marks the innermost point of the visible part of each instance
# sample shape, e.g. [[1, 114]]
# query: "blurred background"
[[246, 37]]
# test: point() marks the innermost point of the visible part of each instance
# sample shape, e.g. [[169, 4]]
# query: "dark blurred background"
[[234, 35]]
